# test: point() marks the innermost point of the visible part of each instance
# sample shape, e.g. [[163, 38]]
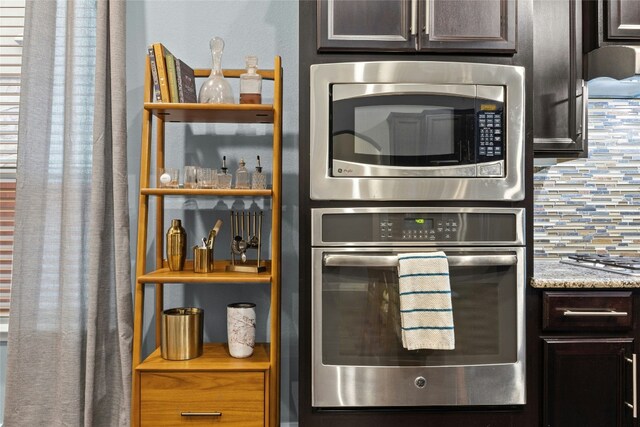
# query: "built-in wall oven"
[[357, 355], [416, 130]]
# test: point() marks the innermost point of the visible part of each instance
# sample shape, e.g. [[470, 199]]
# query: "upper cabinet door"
[[623, 19], [417, 25], [559, 91], [468, 25], [358, 25], [611, 22]]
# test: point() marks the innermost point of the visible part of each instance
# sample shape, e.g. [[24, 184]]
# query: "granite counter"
[[551, 273]]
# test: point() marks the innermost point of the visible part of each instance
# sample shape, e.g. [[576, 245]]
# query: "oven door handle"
[[345, 260]]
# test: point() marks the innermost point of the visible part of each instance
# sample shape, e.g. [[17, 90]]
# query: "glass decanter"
[[216, 90]]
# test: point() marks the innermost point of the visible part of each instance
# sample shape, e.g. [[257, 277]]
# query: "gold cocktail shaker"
[[176, 245]]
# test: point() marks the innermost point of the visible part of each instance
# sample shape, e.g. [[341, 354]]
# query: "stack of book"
[[173, 80]]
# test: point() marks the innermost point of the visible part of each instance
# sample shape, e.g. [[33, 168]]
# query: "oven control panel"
[[416, 227], [420, 227]]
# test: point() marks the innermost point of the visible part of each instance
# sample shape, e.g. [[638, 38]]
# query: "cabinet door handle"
[[201, 414], [634, 365], [427, 14], [610, 313], [584, 107], [414, 17]]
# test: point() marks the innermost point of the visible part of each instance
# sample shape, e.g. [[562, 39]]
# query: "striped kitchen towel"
[[426, 315]]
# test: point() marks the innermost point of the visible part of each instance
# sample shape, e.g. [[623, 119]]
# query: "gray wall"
[[264, 28]]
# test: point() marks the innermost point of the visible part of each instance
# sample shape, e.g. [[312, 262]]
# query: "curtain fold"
[[70, 327]]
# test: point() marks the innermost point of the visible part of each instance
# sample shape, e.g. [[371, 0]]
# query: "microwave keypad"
[[490, 126]]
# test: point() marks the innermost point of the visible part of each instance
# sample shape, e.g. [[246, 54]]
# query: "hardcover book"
[[161, 53], [186, 82], [171, 75], [154, 75]]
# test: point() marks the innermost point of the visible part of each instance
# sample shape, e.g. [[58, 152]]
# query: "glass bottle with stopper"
[[251, 83], [258, 178], [242, 175], [216, 90], [224, 177]]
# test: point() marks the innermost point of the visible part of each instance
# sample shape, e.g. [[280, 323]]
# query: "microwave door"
[[403, 135]]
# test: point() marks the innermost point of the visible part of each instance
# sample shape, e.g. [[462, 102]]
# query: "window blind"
[[11, 32]]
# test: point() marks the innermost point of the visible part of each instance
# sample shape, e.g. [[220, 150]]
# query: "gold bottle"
[[176, 245]]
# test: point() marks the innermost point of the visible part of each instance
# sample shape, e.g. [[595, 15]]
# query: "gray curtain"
[[70, 327]]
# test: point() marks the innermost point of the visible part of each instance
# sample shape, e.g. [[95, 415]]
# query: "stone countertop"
[[551, 273]]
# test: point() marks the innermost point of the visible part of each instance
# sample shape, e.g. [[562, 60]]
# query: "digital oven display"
[[415, 223]]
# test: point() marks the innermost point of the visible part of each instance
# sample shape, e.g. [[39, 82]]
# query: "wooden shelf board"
[[205, 192], [211, 113], [215, 357], [219, 275]]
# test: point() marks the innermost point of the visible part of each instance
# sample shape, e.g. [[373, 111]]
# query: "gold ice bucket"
[[182, 333]]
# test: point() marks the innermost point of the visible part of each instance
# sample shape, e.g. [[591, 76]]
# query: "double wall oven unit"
[[358, 359], [416, 130], [388, 136]]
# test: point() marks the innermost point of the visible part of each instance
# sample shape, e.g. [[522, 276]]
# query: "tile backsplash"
[[593, 204]]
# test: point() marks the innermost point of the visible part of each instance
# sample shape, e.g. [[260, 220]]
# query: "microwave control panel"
[[490, 139]]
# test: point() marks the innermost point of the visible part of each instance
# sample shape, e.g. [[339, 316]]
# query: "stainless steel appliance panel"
[[440, 227], [356, 338], [356, 344], [501, 180]]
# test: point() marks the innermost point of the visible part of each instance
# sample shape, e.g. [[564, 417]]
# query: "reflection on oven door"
[[361, 319]]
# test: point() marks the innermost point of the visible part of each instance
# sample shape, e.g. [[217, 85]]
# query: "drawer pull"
[[611, 313], [201, 414]]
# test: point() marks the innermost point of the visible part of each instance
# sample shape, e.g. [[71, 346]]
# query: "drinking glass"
[[190, 177], [205, 178], [169, 178]]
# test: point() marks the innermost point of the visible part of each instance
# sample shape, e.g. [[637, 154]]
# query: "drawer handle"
[[611, 313], [201, 414]]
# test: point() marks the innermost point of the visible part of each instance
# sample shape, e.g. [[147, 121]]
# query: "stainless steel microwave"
[[407, 130]]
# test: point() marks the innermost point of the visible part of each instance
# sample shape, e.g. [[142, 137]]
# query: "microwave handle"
[[344, 260]]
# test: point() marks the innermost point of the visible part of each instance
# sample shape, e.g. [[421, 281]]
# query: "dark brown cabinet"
[[365, 25], [587, 382], [623, 20], [559, 89], [611, 22], [589, 359], [417, 25]]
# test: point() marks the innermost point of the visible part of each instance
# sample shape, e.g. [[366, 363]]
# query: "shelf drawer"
[[587, 311], [172, 398]]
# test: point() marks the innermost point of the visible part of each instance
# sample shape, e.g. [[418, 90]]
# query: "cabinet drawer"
[[587, 311], [232, 398]]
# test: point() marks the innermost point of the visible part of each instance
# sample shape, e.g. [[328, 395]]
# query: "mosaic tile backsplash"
[[593, 204]]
